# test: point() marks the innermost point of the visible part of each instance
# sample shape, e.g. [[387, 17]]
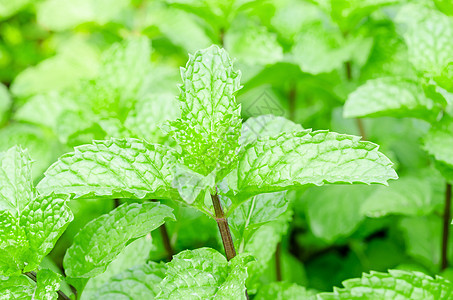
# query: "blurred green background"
[[74, 71]]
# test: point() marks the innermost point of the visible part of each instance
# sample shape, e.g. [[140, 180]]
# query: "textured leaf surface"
[[16, 182], [204, 274], [210, 122], [44, 220], [296, 159], [16, 288], [284, 291], [429, 38], [439, 141], [140, 282], [13, 243], [115, 168], [47, 286], [394, 97], [266, 126], [393, 285], [101, 240]]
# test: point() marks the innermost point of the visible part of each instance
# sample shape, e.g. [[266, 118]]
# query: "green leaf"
[[9, 8], [20, 287], [317, 50], [16, 190], [265, 126], [205, 274], [406, 196], [101, 240], [333, 212], [16, 287], [293, 160], [149, 114], [5, 103], [135, 254], [140, 282], [48, 283], [75, 60], [13, 243], [65, 14], [429, 38], [393, 285], [126, 168], [210, 122], [439, 141], [44, 220], [284, 291], [394, 97], [257, 211]]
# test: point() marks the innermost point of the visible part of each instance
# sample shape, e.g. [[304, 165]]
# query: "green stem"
[[32, 276], [165, 239], [446, 227], [224, 229], [348, 70], [278, 263]]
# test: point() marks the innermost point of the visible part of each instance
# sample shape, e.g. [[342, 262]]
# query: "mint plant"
[[215, 165]]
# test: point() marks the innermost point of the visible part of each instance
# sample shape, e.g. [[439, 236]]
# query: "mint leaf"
[[257, 211], [48, 283], [44, 220], [204, 274], [439, 141], [392, 285], [406, 196], [16, 287], [126, 168], [20, 287], [284, 290], [75, 60], [429, 38], [265, 126], [13, 243], [15, 174], [135, 254], [210, 122], [394, 97], [101, 240], [63, 14], [140, 282], [293, 160]]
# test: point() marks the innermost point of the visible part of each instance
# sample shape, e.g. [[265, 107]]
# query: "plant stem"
[[446, 227], [278, 263], [224, 229], [116, 202], [348, 70], [32, 276], [165, 239]]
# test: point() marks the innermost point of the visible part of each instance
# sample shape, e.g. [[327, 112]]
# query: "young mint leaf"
[[394, 97], [204, 274], [101, 240], [44, 220], [429, 37], [16, 190], [439, 141], [61, 15], [126, 168], [395, 284], [333, 211], [284, 291], [210, 122], [48, 283], [293, 160], [265, 125], [140, 282], [257, 211], [13, 243]]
